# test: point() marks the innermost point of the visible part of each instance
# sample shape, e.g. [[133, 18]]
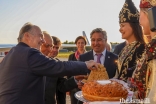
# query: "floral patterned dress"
[[127, 59], [141, 79]]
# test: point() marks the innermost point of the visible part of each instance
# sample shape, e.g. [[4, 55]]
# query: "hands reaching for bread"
[[99, 74], [92, 65], [80, 77]]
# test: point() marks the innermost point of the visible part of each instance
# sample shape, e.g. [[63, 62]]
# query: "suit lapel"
[[107, 59], [91, 57]]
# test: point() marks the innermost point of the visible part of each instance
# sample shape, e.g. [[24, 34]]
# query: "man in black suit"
[[56, 87], [98, 43], [23, 68], [51, 96], [118, 48]]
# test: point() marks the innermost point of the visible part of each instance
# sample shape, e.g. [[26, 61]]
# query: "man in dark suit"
[[98, 43], [23, 68], [99, 53], [56, 87], [51, 82], [118, 48]]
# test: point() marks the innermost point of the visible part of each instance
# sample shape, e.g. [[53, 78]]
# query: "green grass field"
[[64, 54]]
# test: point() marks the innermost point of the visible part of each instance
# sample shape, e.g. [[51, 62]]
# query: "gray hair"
[[27, 27], [99, 30]]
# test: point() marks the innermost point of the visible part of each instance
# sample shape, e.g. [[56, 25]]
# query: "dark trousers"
[[60, 97]]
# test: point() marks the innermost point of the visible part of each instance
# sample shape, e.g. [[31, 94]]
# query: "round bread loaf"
[[114, 91]]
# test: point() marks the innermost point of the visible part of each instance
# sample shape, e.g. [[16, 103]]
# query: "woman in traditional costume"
[[132, 32], [144, 76]]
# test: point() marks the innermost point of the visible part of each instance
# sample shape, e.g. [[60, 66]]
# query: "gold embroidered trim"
[[125, 52], [152, 2], [125, 58], [124, 10]]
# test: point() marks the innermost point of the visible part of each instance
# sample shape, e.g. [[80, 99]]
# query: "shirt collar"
[[23, 44], [103, 53]]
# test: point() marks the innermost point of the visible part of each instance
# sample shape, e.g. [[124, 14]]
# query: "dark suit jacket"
[[72, 57], [73, 91], [110, 63], [50, 90], [22, 71], [118, 48], [56, 88], [52, 95], [63, 86]]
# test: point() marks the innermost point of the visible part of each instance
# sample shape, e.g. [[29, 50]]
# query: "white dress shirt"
[[102, 59]]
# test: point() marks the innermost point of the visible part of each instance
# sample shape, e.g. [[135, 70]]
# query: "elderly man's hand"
[[91, 64]]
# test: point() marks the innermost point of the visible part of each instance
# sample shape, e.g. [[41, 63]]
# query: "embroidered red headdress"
[[147, 3]]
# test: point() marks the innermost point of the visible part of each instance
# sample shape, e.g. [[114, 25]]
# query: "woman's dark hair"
[[80, 37], [137, 30]]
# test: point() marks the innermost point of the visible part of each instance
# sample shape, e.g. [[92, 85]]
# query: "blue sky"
[[65, 19]]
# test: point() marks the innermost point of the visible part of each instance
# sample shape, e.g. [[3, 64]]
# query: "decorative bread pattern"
[[113, 91], [98, 74]]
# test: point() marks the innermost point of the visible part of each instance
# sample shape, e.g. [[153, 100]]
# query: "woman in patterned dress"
[[132, 32], [143, 80]]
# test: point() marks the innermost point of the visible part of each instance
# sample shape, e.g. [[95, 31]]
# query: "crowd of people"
[[31, 73]]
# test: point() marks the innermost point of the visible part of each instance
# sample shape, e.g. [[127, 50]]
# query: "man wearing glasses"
[[56, 87], [23, 69]]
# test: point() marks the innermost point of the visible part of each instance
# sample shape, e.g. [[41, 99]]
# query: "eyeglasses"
[[48, 45], [54, 47]]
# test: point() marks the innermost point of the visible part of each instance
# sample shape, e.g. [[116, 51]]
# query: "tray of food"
[[104, 92], [98, 87]]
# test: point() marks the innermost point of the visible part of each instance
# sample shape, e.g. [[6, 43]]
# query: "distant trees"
[[66, 42], [74, 48]]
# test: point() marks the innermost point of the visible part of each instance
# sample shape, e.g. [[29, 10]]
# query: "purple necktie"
[[98, 58]]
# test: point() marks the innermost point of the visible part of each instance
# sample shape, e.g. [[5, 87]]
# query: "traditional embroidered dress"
[[127, 59], [142, 81], [133, 51]]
